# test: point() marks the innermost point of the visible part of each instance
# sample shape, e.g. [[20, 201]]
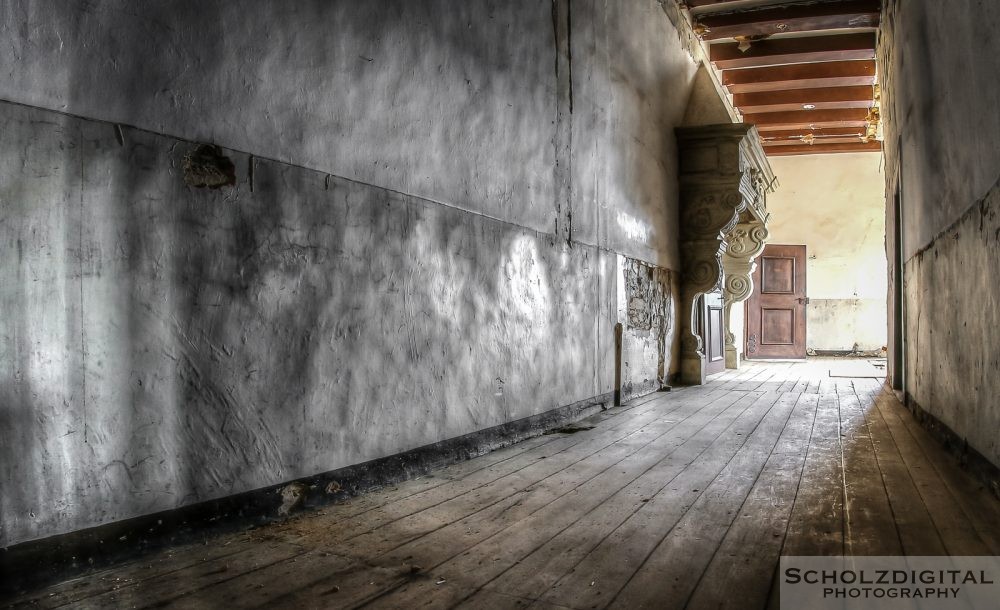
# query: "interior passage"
[[678, 499]]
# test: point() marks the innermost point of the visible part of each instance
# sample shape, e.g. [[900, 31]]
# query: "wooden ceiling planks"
[[804, 99], [784, 19], [727, 56], [800, 76], [817, 149], [808, 119], [779, 137], [814, 142], [802, 71]]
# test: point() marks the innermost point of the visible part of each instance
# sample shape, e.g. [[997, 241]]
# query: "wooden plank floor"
[[679, 499]]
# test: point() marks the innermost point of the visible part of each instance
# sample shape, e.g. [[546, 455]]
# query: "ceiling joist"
[[818, 149], [808, 119], [800, 76], [815, 141], [786, 18], [727, 56], [775, 136], [826, 98]]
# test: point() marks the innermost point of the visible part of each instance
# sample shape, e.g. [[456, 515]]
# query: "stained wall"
[[435, 213], [938, 64]]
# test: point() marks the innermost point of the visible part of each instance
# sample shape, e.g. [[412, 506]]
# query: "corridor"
[[681, 498]]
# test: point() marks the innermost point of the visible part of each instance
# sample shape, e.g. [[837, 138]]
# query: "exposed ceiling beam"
[[808, 119], [795, 99], [800, 76], [818, 149], [727, 56], [795, 135], [801, 17], [816, 142]]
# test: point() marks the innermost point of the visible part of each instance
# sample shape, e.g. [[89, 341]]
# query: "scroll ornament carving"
[[738, 287], [746, 242], [704, 271], [722, 181], [705, 222]]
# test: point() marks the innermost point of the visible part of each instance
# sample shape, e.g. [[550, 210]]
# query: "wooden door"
[[713, 334], [776, 311]]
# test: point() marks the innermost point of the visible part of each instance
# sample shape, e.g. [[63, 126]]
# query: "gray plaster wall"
[[953, 313], [452, 102], [938, 63], [846, 324], [435, 207]]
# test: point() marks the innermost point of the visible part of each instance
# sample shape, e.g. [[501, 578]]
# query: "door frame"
[[897, 354], [708, 302]]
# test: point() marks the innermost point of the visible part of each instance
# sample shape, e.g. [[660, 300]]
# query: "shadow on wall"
[[171, 344], [224, 340]]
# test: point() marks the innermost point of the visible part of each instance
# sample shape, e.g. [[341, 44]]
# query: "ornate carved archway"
[[724, 178]]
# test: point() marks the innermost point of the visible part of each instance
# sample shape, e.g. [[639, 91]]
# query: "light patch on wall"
[[633, 227], [527, 285], [443, 272]]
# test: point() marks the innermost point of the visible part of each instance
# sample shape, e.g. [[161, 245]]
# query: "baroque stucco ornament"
[[724, 177], [746, 242]]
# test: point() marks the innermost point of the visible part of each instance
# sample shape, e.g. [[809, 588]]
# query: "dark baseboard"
[[973, 462], [631, 391], [33, 564]]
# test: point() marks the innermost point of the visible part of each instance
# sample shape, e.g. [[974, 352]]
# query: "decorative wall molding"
[[724, 178]]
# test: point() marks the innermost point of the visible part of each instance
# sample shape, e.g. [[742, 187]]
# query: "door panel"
[[714, 334], [778, 274], [776, 311], [777, 326]]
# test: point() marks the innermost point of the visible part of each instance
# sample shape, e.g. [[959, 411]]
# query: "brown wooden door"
[[776, 311]]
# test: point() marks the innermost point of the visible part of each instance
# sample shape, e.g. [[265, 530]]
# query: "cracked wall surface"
[[953, 313], [386, 272], [647, 306], [938, 64]]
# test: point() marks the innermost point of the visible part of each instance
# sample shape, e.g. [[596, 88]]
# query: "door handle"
[[803, 300]]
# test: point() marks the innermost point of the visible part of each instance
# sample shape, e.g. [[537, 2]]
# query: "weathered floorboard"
[[679, 499]]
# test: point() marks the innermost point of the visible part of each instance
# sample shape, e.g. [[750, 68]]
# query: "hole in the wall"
[[206, 166]]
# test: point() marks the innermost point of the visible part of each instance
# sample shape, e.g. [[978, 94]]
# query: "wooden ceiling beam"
[[750, 109], [792, 17], [800, 76], [727, 56], [777, 135], [816, 142], [819, 149], [808, 119], [796, 99]]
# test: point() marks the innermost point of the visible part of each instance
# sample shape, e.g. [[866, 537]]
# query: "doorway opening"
[[832, 207]]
